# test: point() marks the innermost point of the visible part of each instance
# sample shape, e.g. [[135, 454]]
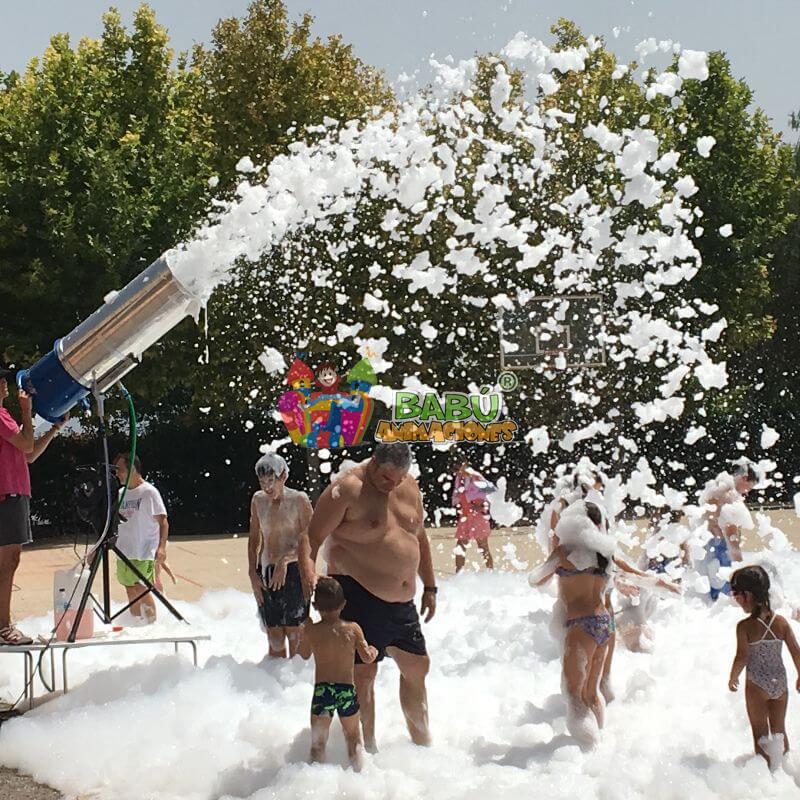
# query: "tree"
[[265, 79], [746, 183], [104, 163], [773, 393]]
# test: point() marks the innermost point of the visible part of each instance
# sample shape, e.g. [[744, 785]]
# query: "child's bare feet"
[[357, 761]]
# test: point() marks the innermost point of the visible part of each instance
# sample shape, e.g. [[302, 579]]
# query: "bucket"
[[69, 586]]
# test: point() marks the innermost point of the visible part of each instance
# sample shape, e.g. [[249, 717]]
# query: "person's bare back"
[[377, 540], [333, 643]]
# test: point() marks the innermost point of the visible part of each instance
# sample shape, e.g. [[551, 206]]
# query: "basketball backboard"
[[544, 330]]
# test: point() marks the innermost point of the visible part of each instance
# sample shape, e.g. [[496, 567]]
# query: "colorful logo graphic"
[[319, 411], [452, 417]]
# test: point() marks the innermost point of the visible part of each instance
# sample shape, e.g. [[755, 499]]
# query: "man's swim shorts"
[[384, 624]]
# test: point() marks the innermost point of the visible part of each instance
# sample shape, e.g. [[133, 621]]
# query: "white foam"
[[140, 727]]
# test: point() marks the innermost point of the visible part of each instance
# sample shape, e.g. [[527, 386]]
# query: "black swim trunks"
[[330, 697], [286, 606], [384, 624]]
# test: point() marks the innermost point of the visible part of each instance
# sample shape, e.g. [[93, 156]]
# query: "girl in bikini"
[[759, 642], [582, 562]]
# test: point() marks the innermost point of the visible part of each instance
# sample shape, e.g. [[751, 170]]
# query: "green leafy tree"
[[104, 163], [106, 150], [772, 395], [266, 78], [747, 183]]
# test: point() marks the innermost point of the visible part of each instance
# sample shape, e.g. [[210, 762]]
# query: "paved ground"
[[14, 786], [218, 562]]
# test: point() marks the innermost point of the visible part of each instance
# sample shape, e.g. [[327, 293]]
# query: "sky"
[[399, 37]]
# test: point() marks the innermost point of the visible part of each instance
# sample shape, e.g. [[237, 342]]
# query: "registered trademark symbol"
[[508, 381]]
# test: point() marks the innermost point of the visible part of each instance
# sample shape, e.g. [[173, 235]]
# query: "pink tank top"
[[14, 475]]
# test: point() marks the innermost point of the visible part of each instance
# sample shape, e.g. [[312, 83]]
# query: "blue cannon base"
[[52, 389]]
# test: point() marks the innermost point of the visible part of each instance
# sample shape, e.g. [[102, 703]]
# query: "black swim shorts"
[[384, 624], [287, 606], [15, 520]]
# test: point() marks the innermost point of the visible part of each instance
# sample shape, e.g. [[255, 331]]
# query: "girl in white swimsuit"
[[760, 639]]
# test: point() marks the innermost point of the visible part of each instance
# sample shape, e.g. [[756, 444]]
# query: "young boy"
[[333, 643], [142, 535], [278, 520]]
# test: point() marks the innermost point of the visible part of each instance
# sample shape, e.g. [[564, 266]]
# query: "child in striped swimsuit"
[[759, 640]]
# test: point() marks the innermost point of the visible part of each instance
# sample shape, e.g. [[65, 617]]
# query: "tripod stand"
[[100, 558], [107, 543]]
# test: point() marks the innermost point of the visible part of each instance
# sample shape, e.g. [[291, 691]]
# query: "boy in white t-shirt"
[[142, 535]]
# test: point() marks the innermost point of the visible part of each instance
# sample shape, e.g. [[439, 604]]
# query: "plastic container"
[[68, 588]]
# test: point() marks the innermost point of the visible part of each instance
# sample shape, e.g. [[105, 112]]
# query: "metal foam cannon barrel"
[[109, 343]]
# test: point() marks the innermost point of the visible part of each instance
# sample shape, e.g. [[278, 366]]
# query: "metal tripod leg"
[[97, 557], [148, 584]]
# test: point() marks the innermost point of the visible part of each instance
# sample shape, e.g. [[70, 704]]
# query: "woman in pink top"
[[18, 448], [470, 497]]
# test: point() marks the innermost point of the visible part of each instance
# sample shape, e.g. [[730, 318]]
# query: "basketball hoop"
[[557, 331]]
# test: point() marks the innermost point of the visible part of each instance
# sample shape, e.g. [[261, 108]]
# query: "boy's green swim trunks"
[[330, 697]]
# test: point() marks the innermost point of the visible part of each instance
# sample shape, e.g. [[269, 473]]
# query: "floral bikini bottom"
[[598, 626]]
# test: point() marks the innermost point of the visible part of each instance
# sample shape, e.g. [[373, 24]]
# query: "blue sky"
[[759, 38]]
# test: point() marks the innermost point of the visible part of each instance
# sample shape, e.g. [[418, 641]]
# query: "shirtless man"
[[374, 517], [278, 520]]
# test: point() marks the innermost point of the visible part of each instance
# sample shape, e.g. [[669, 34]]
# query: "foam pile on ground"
[[238, 728]]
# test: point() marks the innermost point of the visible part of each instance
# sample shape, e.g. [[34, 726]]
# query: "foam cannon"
[[109, 343]]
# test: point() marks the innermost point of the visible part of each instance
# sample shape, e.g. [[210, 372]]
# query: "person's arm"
[[43, 442], [253, 550], [791, 645], [541, 574], [454, 500], [645, 580], [733, 537], [425, 570], [740, 659], [326, 518], [159, 513], [22, 439], [163, 535], [305, 647], [367, 652], [303, 545]]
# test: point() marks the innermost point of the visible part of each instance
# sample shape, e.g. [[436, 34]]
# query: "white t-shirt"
[[139, 533]]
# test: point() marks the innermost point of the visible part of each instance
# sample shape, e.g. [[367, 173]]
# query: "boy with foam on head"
[[279, 519], [333, 643]]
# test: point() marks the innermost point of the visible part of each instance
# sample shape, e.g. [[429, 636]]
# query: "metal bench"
[[102, 640]]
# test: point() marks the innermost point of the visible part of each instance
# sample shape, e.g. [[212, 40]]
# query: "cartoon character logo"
[[328, 377], [328, 416]]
